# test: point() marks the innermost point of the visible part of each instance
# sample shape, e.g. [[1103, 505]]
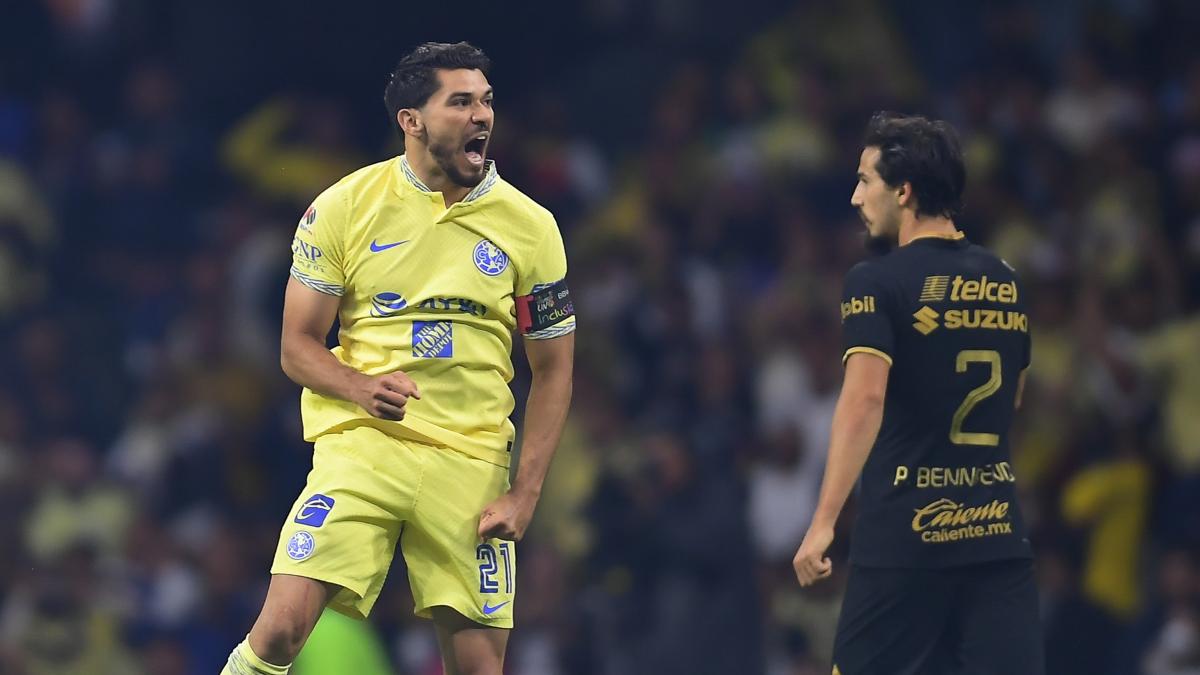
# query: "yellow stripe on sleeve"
[[866, 350]]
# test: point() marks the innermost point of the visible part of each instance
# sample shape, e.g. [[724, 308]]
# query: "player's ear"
[[904, 194], [410, 121]]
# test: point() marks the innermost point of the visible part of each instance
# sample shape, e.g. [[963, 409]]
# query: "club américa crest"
[[489, 258]]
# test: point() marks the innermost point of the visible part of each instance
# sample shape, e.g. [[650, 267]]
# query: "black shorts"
[[971, 620]]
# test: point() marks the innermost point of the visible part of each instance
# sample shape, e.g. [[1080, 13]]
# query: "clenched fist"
[[810, 562], [506, 517], [385, 396]]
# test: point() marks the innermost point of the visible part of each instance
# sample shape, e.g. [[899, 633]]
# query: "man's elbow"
[[290, 355], [286, 362], [867, 401]]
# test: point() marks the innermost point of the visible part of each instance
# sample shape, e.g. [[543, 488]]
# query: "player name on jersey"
[[948, 476], [938, 488]]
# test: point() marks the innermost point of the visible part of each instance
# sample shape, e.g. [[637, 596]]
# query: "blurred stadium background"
[[154, 159]]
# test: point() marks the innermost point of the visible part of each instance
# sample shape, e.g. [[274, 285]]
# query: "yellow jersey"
[[434, 292]]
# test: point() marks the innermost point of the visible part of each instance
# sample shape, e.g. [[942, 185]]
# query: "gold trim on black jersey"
[[958, 234], [866, 350]]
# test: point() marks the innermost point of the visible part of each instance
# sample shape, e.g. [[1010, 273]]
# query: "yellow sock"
[[243, 661]]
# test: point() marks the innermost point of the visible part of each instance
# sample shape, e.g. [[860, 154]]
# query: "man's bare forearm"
[[308, 363], [856, 422], [545, 414]]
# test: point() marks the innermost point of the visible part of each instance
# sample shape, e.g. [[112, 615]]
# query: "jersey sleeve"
[[318, 247], [866, 323], [544, 306], [1027, 351]]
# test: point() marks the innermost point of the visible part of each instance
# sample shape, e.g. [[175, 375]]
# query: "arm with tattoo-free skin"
[[551, 362], [856, 422], [307, 317]]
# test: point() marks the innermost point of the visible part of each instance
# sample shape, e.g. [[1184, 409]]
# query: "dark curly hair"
[[925, 153], [414, 79]]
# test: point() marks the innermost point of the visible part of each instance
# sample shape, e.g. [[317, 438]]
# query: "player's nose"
[[482, 115]]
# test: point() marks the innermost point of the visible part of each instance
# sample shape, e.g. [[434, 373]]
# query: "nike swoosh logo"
[[376, 247], [488, 610]]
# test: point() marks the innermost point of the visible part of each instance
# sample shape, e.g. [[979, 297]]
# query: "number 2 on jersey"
[[964, 360]]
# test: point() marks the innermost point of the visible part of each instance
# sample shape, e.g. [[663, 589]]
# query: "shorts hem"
[[423, 610], [350, 610]]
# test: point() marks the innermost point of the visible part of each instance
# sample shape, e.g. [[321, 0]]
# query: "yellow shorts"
[[366, 492]]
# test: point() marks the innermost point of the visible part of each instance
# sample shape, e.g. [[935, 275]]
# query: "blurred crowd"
[[150, 445]]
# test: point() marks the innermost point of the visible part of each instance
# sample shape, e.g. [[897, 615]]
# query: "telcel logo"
[[973, 290]]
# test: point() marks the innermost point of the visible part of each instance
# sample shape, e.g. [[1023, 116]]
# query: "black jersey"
[[938, 488]]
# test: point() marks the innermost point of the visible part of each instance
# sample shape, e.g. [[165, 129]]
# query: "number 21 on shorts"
[[489, 567]]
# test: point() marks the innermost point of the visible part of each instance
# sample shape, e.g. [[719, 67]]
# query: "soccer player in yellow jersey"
[[431, 262]]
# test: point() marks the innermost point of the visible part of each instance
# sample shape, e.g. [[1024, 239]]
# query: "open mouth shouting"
[[475, 149]]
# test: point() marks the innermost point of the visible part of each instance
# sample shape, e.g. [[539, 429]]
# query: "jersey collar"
[[957, 236], [491, 175]]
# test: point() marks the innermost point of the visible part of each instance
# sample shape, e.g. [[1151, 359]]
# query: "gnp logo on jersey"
[[306, 250], [489, 258], [433, 339], [386, 304], [301, 546], [314, 510]]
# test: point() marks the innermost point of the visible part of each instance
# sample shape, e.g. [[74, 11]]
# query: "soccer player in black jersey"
[[936, 340]]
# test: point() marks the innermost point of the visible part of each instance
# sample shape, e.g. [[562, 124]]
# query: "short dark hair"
[[923, 152], [414, 79]]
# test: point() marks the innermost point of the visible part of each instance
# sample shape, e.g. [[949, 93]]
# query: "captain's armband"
[[546, 312]]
